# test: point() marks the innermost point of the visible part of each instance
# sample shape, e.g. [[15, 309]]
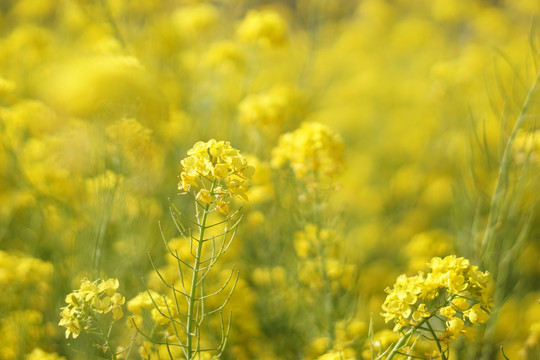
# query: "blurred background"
[[100, 100]]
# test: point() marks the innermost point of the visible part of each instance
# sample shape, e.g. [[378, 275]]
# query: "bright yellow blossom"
[[217, 165], [446, 290]]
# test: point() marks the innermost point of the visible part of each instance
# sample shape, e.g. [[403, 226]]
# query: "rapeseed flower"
[[454, 289], [93, 297], [217, 165]]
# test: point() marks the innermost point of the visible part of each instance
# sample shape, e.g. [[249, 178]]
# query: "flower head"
[[452, 286], [93, 297], [218, 169]]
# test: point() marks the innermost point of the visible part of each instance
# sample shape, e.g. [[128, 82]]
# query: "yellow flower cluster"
[[269, 110], [29, 322], [22, 275], [93, 297], [313, 152], [458, 291], [218, 169], [266, 28]]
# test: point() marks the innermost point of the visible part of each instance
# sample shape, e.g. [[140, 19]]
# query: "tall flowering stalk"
[[313, 157], [213, 174]]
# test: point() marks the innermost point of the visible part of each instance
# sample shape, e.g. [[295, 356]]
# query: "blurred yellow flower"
[[93, 297], [265, 27]]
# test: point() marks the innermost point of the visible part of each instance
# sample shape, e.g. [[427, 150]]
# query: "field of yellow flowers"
[[308, 179]]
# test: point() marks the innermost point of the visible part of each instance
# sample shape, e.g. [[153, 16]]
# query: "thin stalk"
[[436, 341], [502, 177], [193, 290], [403, 340], [107, 341], [488, 245]]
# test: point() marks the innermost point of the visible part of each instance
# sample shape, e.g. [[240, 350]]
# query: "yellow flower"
[[204, 196], [460, 303], [447, 311], [420, 313], [454, 326], [452, 282], [70, 322], [476, 314]]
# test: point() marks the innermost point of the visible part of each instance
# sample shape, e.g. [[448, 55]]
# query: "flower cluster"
[[93, 297], [218, 169], [269, 110], [313, 151], [266, 28], [454, 292]]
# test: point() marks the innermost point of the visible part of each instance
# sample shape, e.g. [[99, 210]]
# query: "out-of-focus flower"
[[224, 55], [271, 109], [313, 152], [93, 297], [191, 21], [265, 27]]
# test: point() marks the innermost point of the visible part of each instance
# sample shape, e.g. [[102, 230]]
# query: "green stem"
[[107, 340], [193, 290], [436, 340], [402, 340]]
